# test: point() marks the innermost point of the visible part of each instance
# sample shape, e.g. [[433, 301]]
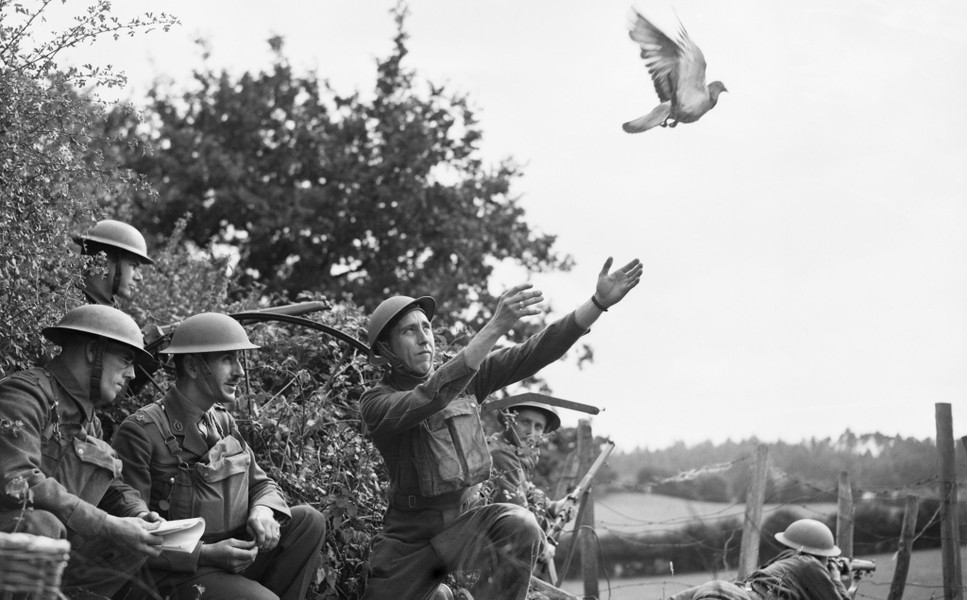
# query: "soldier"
[[515, 452], [424, 420], [125, 250], [811, 569], [58, 478], [184, 453]]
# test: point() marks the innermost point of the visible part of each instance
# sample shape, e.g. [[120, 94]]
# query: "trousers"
[[283, 573], [96, 567], [418, 548]]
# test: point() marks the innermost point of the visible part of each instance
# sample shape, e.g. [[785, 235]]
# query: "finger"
[[634, 265], [257, 530], [517, 289], [607, 266], [532, 298]]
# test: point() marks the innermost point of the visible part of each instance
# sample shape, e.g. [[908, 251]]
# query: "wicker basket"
[[32, 564]]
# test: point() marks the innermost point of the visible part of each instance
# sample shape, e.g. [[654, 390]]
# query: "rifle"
[[574, 496], [860, 567]]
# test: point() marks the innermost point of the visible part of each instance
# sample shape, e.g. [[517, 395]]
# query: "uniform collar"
[[96, 295], [74, 389], [184, 417], [400, 379]]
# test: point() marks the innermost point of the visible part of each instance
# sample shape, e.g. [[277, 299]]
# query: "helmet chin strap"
[[116, 282], [396, 363], [97, 372], [208, 377]]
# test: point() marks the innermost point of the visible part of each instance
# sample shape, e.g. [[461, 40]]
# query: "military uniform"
[[53, 458], [428, 431], [168, 459], [797, 577], [513, 469]]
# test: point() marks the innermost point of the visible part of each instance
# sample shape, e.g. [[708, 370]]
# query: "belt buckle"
[[411, 501]]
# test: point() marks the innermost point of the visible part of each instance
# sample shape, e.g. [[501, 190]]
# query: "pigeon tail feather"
[[656, 117]]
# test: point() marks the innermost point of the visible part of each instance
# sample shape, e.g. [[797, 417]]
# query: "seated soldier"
[[58, 478], [515, 452], [125, 250], [184, 453], [424, 420]]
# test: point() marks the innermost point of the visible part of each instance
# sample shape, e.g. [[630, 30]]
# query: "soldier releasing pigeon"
[[677, 68]]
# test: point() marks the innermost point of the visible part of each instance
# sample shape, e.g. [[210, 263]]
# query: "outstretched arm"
[[611, 288]]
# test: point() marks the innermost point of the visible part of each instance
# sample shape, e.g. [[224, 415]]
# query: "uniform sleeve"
[[263, 490], [386, 411], [134, 449], [507, 475], [23, 417], [516, 363], [120, 498]]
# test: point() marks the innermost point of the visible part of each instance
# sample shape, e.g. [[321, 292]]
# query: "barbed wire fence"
[[647, 533]]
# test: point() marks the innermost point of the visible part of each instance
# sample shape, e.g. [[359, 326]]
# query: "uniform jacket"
[[150, 466], [513, 469], [32, 447], [795, 576], [399, 413]]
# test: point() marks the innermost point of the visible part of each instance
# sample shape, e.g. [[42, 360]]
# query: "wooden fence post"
[[949, 526], [587, 541], [905, 548], [752, 527], [844, 518]]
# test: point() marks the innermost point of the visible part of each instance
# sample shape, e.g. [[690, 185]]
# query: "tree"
[[334, 194], [51, 171]]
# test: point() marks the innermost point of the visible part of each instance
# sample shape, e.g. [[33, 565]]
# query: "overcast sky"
[[804, 244]]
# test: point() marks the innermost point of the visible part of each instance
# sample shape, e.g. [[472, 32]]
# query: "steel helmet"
[[208, 332], [390, 309], [114, 234], [102, 321], [809, 536], [553, 419]]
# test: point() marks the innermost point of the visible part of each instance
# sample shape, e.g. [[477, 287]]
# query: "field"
[[924, 581]]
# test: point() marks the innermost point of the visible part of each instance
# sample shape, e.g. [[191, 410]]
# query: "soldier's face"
[[531, 424], [412, 341], [226, 374], [130, 277], [116, 370]]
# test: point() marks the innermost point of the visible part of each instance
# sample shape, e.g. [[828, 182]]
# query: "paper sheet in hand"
[[182, 534]]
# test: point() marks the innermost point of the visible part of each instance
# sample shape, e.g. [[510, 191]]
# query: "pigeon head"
[[714, 89]]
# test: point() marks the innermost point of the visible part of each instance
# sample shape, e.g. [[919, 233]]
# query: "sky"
[[804, 243]]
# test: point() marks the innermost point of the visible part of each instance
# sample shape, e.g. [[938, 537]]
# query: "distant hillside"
[[878, 465]]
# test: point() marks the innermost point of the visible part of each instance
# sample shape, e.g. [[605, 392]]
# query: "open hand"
[[613, 286], [519, 301]]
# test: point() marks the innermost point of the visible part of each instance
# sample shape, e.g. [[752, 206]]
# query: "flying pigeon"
[[677, 68]]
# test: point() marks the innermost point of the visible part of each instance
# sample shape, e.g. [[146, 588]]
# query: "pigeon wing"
[[660, 53], [690, 77]]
